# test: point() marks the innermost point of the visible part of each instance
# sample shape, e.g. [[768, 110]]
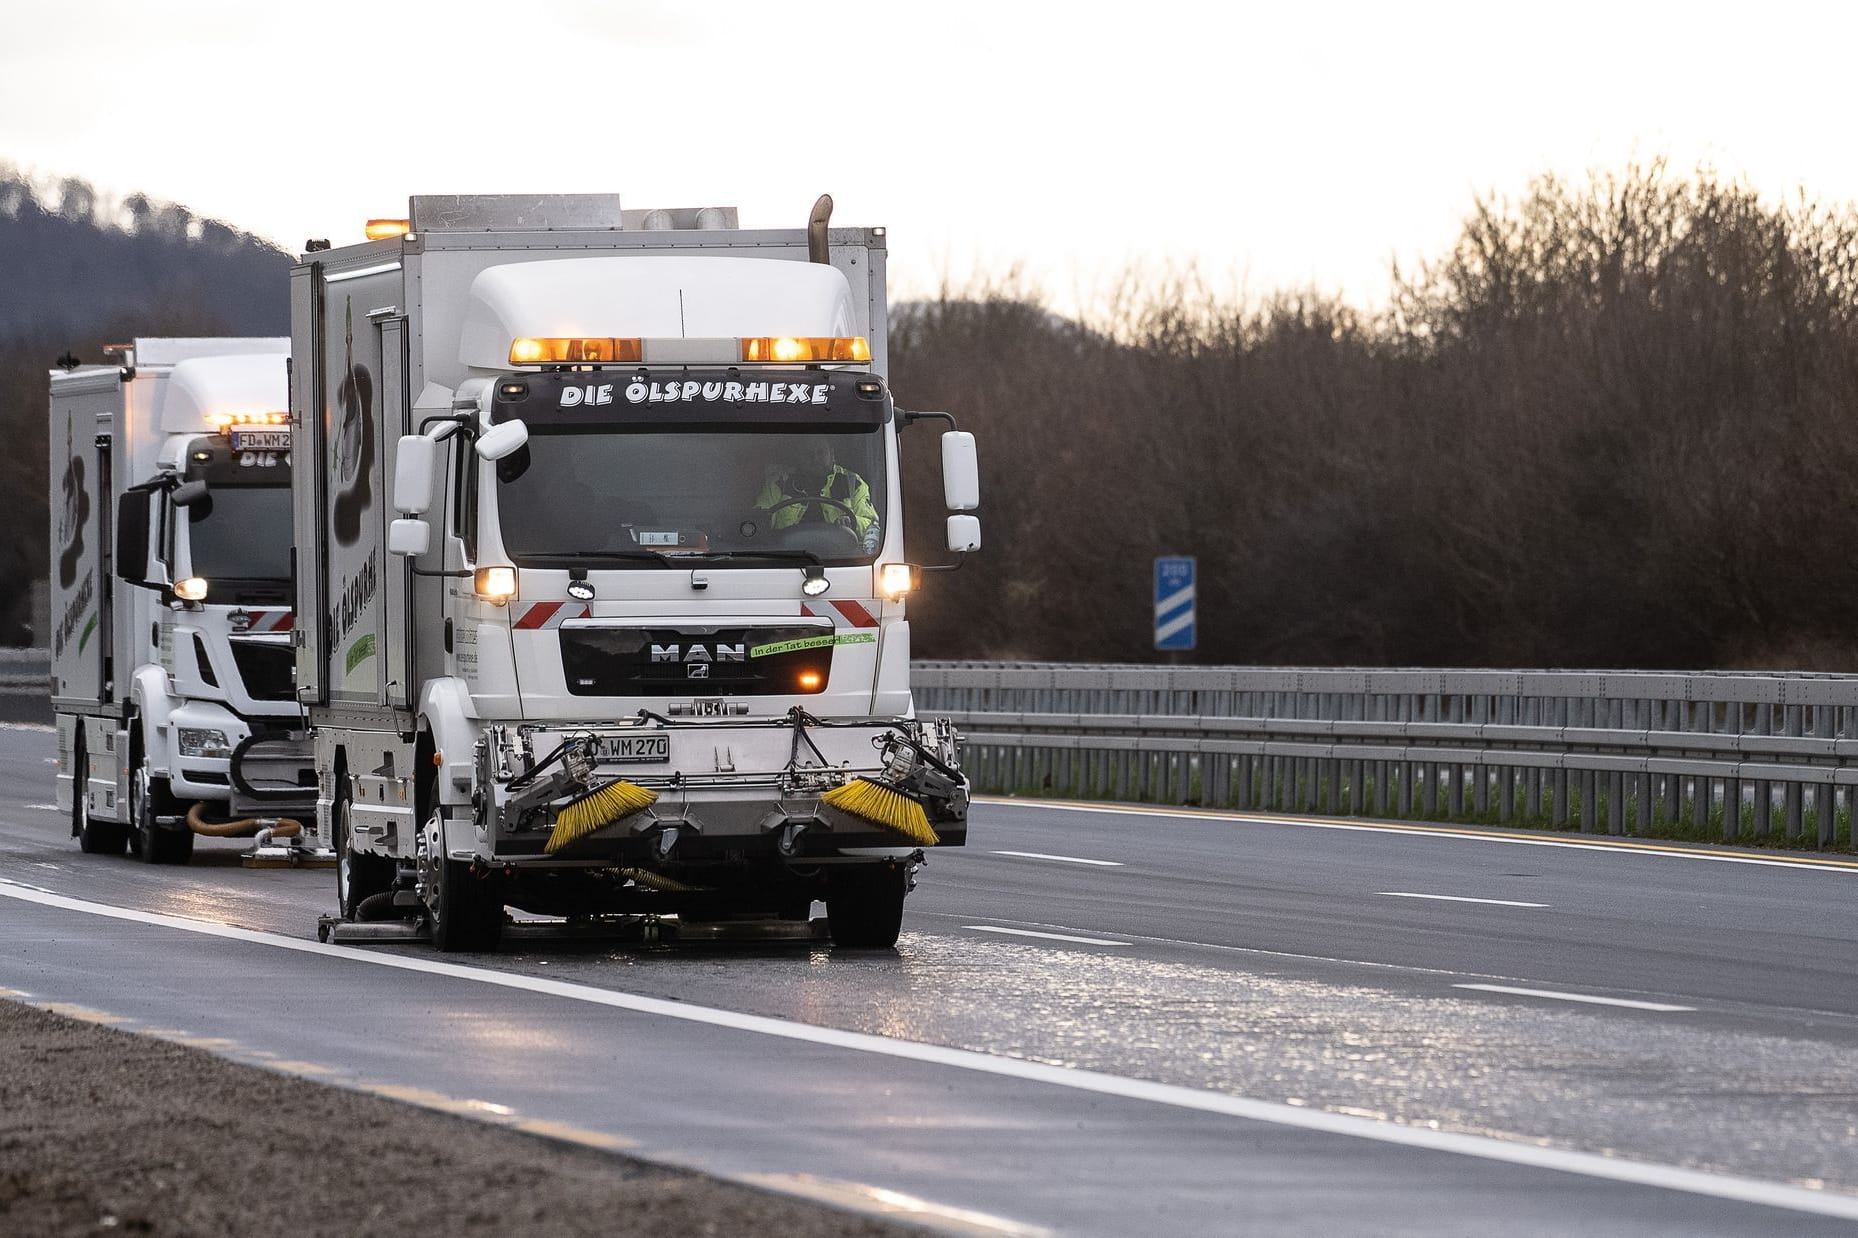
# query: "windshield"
[[644, 497], [241, 533]]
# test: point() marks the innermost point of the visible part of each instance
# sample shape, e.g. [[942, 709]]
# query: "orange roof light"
[[224, 422], [574, 350], [382, 229], [796, 349]]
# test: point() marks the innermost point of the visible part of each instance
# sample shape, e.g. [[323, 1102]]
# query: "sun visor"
[[666, 297]]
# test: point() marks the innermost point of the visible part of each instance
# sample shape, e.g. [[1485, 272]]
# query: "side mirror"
[[136, 562], [961, 472], [408, 537], [188, 493], [504, 440], [416, 461], [964, 533]]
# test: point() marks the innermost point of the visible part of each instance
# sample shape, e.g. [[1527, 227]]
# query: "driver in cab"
[[793, 490]]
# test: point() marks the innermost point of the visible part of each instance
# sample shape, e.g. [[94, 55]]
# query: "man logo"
[[735, 652], [697, 670]]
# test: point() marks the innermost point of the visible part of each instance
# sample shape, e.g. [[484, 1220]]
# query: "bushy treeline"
[[1613, 426]]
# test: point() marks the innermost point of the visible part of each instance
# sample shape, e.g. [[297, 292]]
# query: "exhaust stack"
[[816, 248]]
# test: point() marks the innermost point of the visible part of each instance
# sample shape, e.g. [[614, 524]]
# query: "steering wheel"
[[849, 515]]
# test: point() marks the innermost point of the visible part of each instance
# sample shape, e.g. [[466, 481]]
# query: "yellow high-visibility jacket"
[[841, 484]]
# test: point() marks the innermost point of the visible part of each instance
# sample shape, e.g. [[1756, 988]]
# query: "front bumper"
[[725, 791], [270, 775]]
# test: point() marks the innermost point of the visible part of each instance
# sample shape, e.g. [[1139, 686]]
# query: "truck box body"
[[657, 621], [136, 670]]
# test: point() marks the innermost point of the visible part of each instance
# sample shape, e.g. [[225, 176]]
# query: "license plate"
[[261, 440], [649, 748]]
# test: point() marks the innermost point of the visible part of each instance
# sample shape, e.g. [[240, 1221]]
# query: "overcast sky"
[[1273, 145]]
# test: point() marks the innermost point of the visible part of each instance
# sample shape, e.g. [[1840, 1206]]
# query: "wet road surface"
[[1648, 1005]]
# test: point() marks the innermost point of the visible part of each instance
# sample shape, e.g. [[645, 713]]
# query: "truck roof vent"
[[681, 219]]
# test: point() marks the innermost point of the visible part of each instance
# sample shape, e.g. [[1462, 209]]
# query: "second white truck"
[[171, 599]]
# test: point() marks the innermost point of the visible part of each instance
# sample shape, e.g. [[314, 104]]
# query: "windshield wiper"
[[779, 556], [576, 556]]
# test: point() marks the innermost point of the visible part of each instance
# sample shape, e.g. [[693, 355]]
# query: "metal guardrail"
[[25, 670], [1721, 754]]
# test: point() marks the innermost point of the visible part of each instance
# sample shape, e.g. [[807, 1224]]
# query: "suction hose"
[[263, 828]]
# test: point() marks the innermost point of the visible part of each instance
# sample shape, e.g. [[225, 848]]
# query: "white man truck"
[[171, 598], [602, 579]]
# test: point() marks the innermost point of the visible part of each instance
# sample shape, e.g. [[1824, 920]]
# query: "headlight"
[[895, 580], [495, 584], [192, 589], [204, 742]]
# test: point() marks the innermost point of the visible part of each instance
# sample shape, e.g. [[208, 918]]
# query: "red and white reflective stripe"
[[269, 621], [842, 614], [545, 615]]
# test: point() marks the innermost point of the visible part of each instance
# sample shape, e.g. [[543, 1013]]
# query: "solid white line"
[[1662, 1177], [1064, 859], [1520, 840], [1013, 932], [1457, 898], [1587, 998]]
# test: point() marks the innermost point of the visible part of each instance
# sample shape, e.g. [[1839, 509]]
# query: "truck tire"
[[864, 904], [358, 876], [148, 795], [93, 837], [466, 910]]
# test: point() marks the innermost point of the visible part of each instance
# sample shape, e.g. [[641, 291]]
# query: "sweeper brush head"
[[599, 807], [885, 806]]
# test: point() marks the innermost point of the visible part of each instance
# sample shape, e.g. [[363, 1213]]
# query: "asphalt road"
[[1098, 1022]]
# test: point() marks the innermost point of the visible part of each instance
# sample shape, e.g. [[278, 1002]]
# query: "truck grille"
[[268, 669], [697, 661]]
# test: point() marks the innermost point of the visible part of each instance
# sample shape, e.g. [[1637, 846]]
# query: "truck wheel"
[[864, 904], [358, 876], [466, 910], [93, 837], [147, 796]]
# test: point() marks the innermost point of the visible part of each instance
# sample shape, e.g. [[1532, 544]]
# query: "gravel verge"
[[105, 1132]]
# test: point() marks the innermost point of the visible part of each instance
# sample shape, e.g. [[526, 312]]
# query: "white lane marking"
[[46, 807], [1639, 1173], [1587, 998], [1062, 859], [1013, 932], [1456, 898], [1804, 864], [889, 1203]]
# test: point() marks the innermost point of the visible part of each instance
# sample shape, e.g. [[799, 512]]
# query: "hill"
[[89, 262]]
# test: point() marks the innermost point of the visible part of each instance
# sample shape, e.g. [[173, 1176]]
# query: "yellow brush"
[[600, 807], [885, 806]]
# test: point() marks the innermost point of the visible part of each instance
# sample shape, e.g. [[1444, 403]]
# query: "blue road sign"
[[1174, 603]]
